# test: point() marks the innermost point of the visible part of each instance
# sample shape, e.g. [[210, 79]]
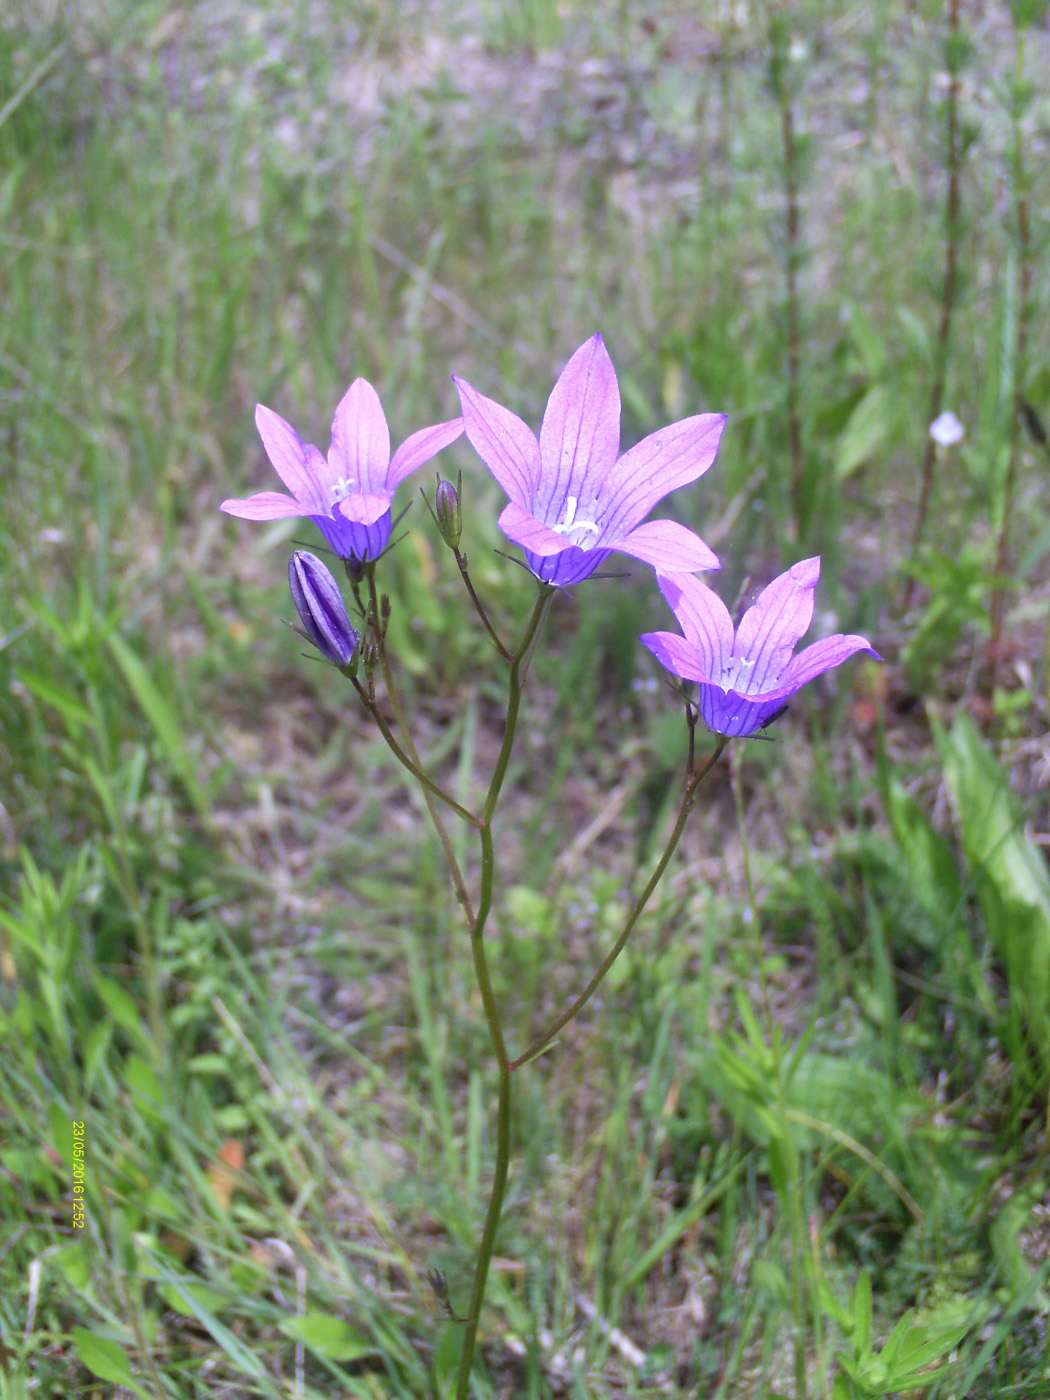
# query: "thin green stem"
[[403, 758], [519, 664], [692, 786], [479, 608], [502, 1165], [794, 1204]]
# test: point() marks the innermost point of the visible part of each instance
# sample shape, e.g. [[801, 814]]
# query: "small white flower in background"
[[946, 430]]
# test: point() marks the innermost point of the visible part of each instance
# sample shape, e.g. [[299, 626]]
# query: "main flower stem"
[[688, 799], [518, 668]]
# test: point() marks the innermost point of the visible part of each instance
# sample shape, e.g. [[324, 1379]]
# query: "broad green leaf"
[[446, 1356], [72, 1260], [865, 434], [178, 1299], [96, 1044], [770, 1277], [145, 1085], [122, 1007], [1010, 873], [925, 850], [105, 1359], [869, 345], [1016, 1270], [830, 1305], [329, 1336]]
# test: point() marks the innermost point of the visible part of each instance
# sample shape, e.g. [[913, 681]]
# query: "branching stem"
[[519, 664], [692, 786]]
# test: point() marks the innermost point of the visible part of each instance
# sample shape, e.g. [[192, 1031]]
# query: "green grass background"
[[227, 942]]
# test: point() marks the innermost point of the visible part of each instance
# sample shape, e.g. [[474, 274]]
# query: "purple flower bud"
[[448, 512], [321, 609]]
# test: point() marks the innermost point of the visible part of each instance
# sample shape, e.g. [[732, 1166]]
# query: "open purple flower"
[[746, 678], [573, 498], [348, 495]]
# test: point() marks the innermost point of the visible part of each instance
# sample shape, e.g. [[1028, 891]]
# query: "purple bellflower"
[[348, 495], [573, 498], [747, 678], [321, 609]]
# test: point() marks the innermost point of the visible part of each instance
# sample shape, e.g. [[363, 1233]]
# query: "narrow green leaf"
[[862, 1311], [121, 1006], [865, 433], [162, 718], [57, 697]]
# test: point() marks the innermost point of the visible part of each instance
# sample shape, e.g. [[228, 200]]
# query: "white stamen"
[[342, 488], [571, 527]]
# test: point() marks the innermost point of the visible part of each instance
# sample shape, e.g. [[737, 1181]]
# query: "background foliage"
[[226, 941]]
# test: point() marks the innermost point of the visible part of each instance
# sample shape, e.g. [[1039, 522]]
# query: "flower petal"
[[364, 507], [358, 543], [418, 449], [678, 654], [580, 435], [772, 626], [360, 452], [660, 463], [503, 442], [266, 505], [704, 619], [571, 566], [822, 655], [669, 547], [734, 715], [299, 465], [524, 529]]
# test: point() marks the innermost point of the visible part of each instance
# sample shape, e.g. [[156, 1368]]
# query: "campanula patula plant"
[[575, 501]]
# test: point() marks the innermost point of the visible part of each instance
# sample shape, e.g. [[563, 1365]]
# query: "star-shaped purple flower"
[[573, 498], [746, 678], [348, 495]]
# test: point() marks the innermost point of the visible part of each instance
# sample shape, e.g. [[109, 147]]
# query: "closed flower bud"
[[448, 512], [321, 609]]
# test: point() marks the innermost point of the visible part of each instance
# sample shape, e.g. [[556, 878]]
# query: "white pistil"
[[571, 527], [341, 489]]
